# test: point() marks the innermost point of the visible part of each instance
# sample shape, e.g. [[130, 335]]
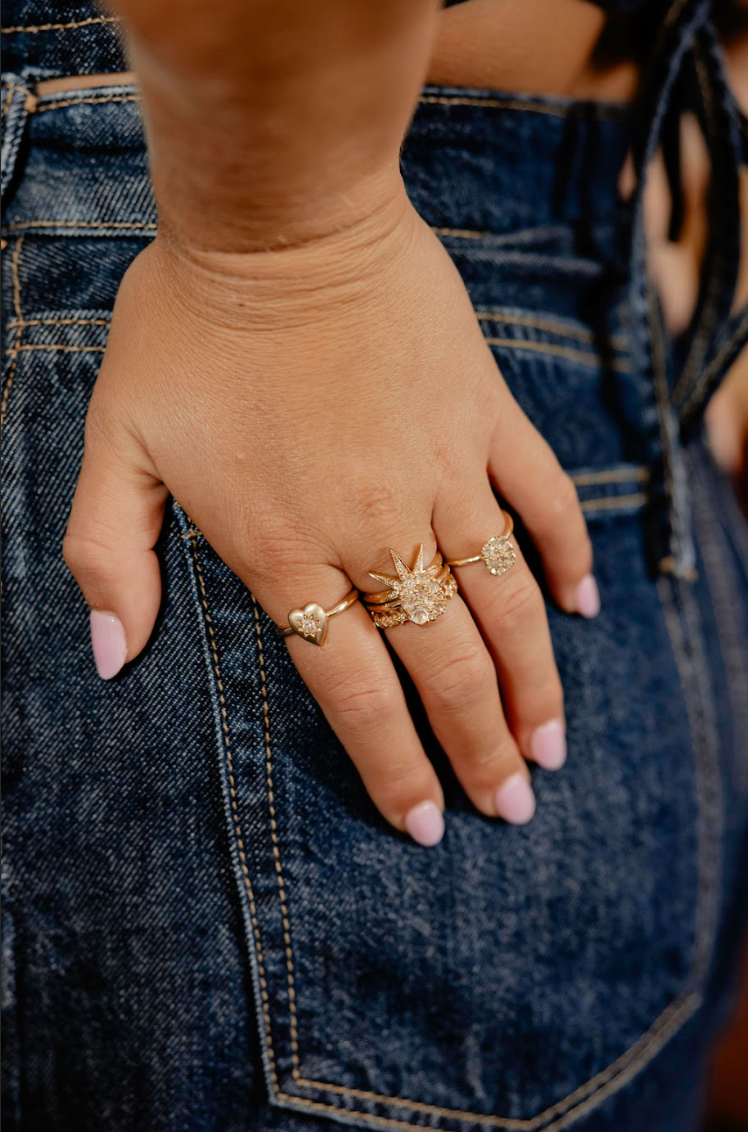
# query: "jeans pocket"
[[513, 977]]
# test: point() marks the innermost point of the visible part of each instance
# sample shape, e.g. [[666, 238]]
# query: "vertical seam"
[[276, 851], [14, 267], [235, 816]]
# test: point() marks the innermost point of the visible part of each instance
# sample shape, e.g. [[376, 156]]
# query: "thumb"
[[113, 527]]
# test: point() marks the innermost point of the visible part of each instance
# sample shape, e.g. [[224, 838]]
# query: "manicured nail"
[[425, 823], [548, 745], [108, 643], [588, 597], [515, 800]]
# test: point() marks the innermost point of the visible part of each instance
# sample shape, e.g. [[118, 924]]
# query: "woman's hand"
[[310, 408]]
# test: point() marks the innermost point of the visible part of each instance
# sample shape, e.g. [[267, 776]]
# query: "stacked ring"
[[418, 594]]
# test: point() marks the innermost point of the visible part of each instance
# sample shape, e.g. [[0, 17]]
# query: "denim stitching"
[[88, 101], [619, 340], [538, 107], [613, 475], [59, 322], [658, 1034], [63, 27], [276, 850], [722, 584], [235, 815], [80, 224], [51, 346], [689, 651], [582, 356], [615, 502], [14, 265]]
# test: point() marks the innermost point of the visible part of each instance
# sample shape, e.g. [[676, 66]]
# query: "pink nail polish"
[[588, 597], [108, 643], [515, 800], [425, 823], [548, 745]]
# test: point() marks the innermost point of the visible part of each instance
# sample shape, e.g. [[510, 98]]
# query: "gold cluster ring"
[[497, 554], [418, 594]]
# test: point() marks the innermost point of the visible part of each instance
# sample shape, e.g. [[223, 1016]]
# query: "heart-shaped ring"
[[310, 623]]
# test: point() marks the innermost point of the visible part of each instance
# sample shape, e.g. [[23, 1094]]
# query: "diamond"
[[498, 554], [309, 624]]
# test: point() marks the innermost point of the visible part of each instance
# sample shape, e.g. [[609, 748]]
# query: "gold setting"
[[418, 593], [497, 554], [310, 622]]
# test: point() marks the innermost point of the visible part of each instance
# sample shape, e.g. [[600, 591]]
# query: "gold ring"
[[497, 554], [310, 623], [418, 594]]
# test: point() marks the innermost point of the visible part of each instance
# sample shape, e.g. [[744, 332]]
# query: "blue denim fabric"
[[209, 926]]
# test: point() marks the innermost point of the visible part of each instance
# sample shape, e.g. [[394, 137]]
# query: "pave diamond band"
[[497, 554], [418, 593]]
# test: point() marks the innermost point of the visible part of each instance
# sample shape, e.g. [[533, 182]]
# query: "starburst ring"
[[418, 593], [497, 554]]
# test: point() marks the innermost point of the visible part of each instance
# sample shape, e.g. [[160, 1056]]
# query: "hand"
[[310, 408]]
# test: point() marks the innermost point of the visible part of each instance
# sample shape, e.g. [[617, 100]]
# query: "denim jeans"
[[208, 926]]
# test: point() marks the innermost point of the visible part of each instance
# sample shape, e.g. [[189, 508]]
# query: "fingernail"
[[108, 643], [588, 597], [515, 800], [548, 745], [425, 823]]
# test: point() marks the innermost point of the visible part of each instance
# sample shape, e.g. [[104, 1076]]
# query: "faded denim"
[[209, 928]]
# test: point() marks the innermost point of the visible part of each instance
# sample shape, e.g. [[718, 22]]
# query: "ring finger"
[[510, 610], [456, 680]]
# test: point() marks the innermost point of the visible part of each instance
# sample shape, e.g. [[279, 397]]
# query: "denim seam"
[[686, 645], [663, 1029], [275, 845], [264, 996], [570, 111], [90, 101], [613, 475], [62, 27], [14, 267], [721, 582], [80, 224], [613, 504], [584, 357], [59, 322], [560, 328], [15, 350]]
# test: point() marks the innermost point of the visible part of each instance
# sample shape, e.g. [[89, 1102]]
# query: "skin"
[[292, 292]]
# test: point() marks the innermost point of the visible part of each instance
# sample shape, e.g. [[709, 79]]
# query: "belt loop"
[[18, 101]]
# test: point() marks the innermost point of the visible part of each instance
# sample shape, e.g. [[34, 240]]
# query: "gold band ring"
[[497, 554], [418, 594], [310, 623]]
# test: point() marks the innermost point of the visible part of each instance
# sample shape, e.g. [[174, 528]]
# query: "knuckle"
[[464, 678], [522, 603], [563, 498], [363, 706], [83, 555]]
